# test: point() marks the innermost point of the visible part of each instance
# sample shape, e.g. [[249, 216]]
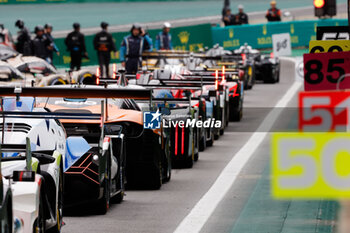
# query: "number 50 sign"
[[311, 165]]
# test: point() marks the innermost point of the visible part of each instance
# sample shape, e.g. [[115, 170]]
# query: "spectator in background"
[[228, 18], [163, 40], [23, 39], [273, 14], [132, 48], [243, 17], [52, 48], [104, 45], [75, 42], [40, 44]]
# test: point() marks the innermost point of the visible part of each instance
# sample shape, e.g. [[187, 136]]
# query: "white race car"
[[46, 74]]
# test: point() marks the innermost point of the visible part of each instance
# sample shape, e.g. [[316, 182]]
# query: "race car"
[[267, 67], [38, 69], [11, 76], [183, 148], [232, 62], [32, 150], [100, 161]]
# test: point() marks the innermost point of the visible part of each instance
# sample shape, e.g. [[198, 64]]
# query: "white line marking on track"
[[204, 208]]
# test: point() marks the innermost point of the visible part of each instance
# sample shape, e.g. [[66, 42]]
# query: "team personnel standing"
[[163, 40], [273, 14], [23, 39], [132, 47], [40, 44], [243, 17], [104, 45], [228, 18], [75, 42], [53, 47]]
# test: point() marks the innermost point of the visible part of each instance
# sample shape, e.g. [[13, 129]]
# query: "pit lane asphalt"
[[163, 210]]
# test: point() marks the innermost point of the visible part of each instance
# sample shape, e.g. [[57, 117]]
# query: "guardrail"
[[259, 36]]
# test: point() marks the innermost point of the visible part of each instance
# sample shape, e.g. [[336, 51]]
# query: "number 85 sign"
[[311, 165], [323, 70]]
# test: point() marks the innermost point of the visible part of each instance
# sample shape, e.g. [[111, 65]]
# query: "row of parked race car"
[[71, 139]]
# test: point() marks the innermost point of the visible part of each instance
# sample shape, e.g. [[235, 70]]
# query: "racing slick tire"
[[217, 135], [59, 208], [57, 81], [189, 162], [211, 141], [156, 178], [8, 218], [196, 157], [167, 164], [273, 77], [119, 197], [40, 223], [278, 74], [236, 116], [235, 112], [102, 204], [196, 146], [86, 78], [202, 144]]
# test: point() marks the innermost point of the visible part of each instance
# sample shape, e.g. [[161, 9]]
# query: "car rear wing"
[[179, 55], [59, 92], [75, 92]]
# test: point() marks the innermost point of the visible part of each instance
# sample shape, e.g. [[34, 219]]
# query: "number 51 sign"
[[311, 165]]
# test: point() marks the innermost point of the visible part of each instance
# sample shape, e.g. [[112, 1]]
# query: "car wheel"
[[189, 162], [8, 218], [120, 183], [217, 135], [278, 75], [236, 115], [40, 222], [118, 198], [202, 144], [211, 141], [103, 203], [156, 178], [168, 165]]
